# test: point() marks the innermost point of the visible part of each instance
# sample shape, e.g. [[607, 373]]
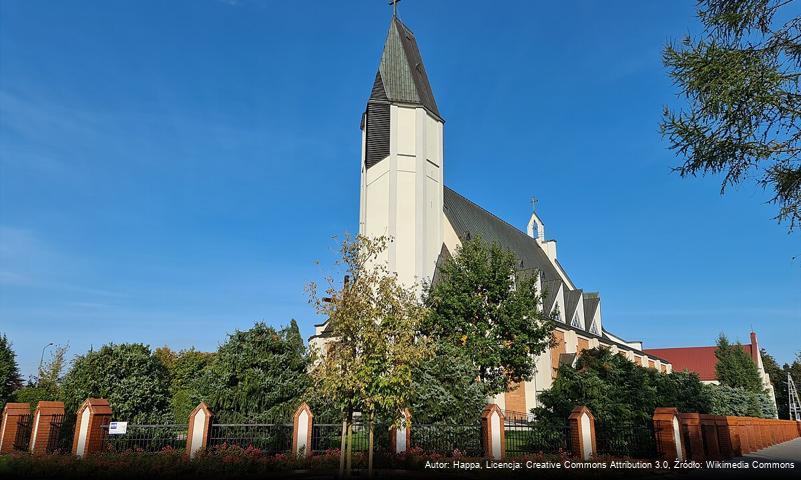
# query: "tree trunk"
[[349, 454], [370, 452], [342, 440]]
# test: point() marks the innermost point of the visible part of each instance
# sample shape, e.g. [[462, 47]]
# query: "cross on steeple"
[[394, 4]]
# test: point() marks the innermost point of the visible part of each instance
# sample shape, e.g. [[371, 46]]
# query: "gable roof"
[[701, 360], [551, 291], [401, 74], [591, 302], [572, 298], [470, 220]]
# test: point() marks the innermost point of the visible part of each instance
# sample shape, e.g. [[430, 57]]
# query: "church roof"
[[550, 289], [470, 220], [401, 74]]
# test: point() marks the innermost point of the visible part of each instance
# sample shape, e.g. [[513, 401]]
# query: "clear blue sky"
[[170, 171]]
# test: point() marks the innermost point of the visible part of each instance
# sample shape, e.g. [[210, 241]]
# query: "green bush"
[[738, 401]]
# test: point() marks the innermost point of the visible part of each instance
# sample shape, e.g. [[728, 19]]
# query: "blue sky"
[[170, 171]]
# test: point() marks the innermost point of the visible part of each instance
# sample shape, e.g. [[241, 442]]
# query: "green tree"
[[734, 367], [256, 373], [738, 401], [483, 304], [374, 347], [48, 382], [10, 379], [128, 375], [741, 81], [778, 377], [617, 390], [184, 369], [445, 390]]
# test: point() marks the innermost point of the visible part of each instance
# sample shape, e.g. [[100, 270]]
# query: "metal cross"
[[394, 4], [534, 203]]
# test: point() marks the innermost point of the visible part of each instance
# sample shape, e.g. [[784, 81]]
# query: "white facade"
[[401, 196]]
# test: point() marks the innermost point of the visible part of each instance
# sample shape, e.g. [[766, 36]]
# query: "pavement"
[[783, 452]]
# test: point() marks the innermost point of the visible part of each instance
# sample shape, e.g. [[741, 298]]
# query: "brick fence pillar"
[[493, 432], [302, 431], [400, 438], [724, 437], [13, 413], [745, 439], [710, 434], [582, 432], [92, 416], [197, 434], [694, 442], [42, 423], [668, 433]]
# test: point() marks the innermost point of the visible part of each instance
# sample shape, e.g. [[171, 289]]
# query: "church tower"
[[402, 160]]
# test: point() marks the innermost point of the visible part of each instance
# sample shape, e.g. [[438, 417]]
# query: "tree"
[[184, 369], [778, 377], [734, 367], [445, 390], [10, 379], [741, 79], [257, 373], [741, 402], [128, 375], [374, 345], [48, 382], [619, 391], [485, 306]]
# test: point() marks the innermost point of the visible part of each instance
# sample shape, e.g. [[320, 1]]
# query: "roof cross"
[[394, 4]]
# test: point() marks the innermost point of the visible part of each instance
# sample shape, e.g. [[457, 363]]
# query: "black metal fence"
[[23, 438], [268, 437], [446, 439], [328, 436], [145, 438], [626, 439], [59, 440], [524, 436]]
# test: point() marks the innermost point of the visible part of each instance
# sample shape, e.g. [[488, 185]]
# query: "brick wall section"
[[407, 417], [515, 398], [583, 344], [9, 424], [201, 409], [42, 419], [691, 431], [728, 437], [308, 433], [99, 416], [558, 349]]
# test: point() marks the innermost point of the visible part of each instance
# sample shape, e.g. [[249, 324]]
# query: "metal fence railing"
[[524, 437], [446, 439], [268, 437], [327, 436], [59, 439], [23, 438], [145, 438], [626, 439]]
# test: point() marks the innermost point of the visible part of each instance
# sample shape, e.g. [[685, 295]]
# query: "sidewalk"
[[784, 452]]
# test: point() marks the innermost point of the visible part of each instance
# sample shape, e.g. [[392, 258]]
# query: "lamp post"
[[41, 359]]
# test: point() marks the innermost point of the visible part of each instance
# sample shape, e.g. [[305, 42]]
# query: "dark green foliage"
[[128, 375], [446, 390], [184, 369], [735, 368], [737, 401], [778, 377], [741, 81], [10, 379], [483, 305], [619, 391], [260, 371]]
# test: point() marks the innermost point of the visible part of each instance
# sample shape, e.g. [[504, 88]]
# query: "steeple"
[[401, 76], [402, 160]]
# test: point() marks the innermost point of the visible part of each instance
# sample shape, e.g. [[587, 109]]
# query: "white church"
[[403, 195]]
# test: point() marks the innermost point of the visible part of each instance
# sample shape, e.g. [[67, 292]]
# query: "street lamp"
[[41, 359]]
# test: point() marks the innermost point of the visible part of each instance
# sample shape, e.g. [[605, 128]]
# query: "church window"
[[594, 328], [575, 322]]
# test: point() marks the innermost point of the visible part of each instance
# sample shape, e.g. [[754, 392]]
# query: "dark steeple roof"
[[401, 75]]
